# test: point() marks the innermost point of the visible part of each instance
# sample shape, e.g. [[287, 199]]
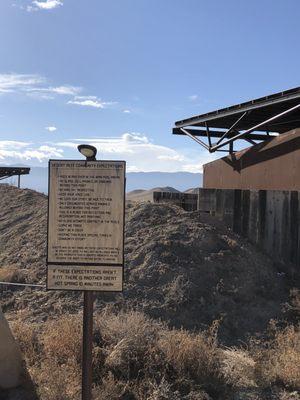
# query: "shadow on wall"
[[262, 152]]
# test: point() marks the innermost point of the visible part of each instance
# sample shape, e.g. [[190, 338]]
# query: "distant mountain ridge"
[[38, 180]]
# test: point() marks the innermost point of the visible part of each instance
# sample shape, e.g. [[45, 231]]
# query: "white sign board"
[[92, 277], [85, 214]]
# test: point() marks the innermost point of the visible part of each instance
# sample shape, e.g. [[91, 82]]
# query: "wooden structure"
[[268, 218], [7, 172]]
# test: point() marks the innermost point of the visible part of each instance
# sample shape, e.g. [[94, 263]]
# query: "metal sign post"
[[85, 250], [87, 345]]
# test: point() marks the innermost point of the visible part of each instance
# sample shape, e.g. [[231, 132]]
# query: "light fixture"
[[88, 151]]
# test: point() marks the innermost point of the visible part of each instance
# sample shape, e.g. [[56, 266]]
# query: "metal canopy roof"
[[276, 113], [6, 172]]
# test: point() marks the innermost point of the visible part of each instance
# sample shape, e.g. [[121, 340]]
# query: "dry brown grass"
[[130, 341], [62, 339], [284, 395], [27, 336], [141, 359], [11, 274], [238, 368], [279, 360], [110, 388], [194, 356], [55, 381]]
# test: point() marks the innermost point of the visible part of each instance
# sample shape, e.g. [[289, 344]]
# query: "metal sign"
[[92, 277], [85, 224]]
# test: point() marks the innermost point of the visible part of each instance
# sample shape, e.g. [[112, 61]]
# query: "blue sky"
[[118, 73]]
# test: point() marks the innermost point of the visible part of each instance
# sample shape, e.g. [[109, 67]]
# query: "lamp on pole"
[[89, 152]]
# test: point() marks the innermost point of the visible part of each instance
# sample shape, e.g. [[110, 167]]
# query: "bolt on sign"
[[86, 208]]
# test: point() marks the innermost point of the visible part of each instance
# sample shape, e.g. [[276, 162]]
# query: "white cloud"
[[139, 151], [37, 87], [65, 90], [7, 144], [126, 111], [132, 168], [51, 128], [15, 82], [34, 86], [90, 101], [44, 5], [14, 151], [142, 154], [36, 95], [175, 157], [61, 90], [193, 97]]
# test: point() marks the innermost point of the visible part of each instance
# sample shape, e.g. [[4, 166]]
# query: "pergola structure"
[[6, 172], [253, 121]]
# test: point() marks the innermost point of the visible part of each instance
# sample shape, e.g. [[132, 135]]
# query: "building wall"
[[272, 165]]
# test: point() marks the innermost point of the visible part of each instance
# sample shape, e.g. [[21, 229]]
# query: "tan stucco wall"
[[272, 165]]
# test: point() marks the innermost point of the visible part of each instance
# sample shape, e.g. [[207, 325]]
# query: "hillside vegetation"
[[204, 315]]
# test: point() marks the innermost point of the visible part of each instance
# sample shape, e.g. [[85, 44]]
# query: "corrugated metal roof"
[[257, 110]]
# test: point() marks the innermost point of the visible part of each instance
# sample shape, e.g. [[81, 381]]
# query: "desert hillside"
[[191, 287], [182, 267]]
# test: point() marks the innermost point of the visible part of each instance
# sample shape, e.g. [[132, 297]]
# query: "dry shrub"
[[27, 337], [294, 305], [115, 327], [284, 395], [138, 358], [279, 362], [197, 395], [163, 391], [238, 368], [62, 339], [130, 339], [57, 382], [110, 389], [12, 274], [194, 356]]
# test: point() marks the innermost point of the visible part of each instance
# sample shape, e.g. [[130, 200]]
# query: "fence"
[[268, 218], [188, 201]]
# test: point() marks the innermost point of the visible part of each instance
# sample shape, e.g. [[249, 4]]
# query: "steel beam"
[[196, 139], [260, 125], [208, 134], [218, 134], [233, 126]]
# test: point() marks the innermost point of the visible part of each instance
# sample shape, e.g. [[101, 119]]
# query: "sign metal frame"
[[83, 264]]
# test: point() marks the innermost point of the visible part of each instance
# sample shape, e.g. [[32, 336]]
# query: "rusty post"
[[87, 345]]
